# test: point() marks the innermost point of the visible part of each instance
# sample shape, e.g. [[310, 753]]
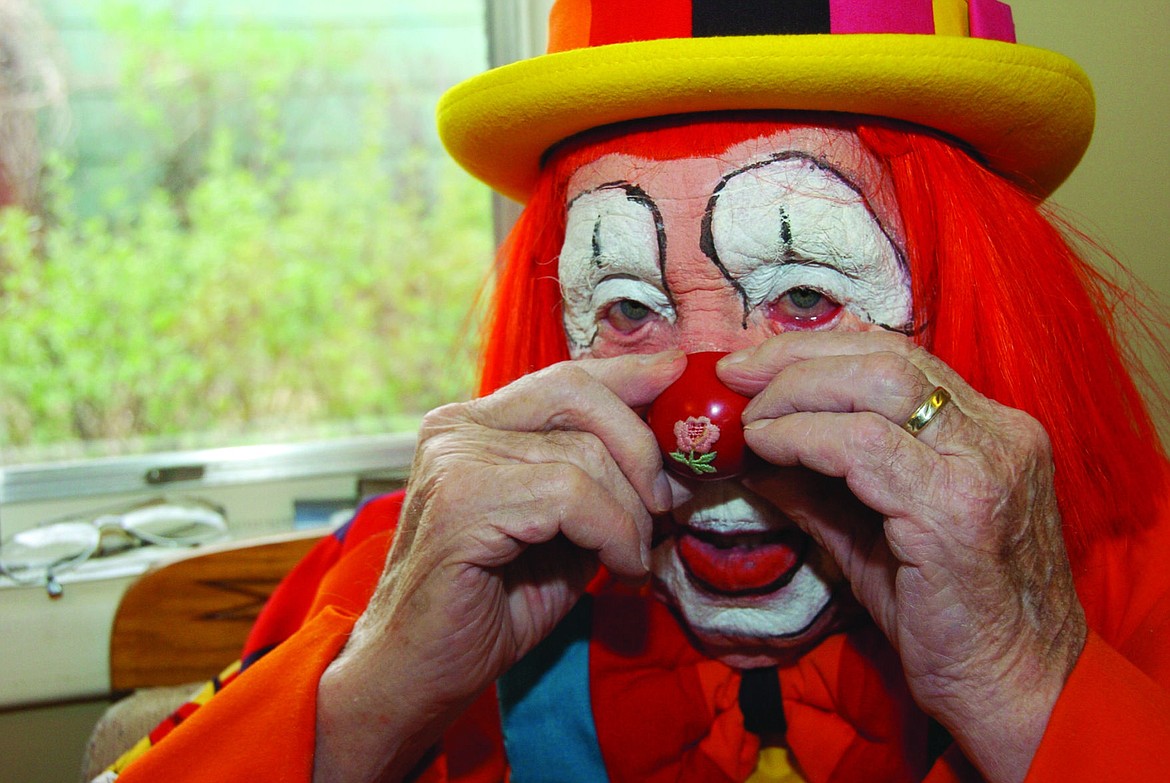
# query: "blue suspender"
[[545, 709]]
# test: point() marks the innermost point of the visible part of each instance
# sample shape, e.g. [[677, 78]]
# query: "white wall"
[[1122, 184], [1121, 189]]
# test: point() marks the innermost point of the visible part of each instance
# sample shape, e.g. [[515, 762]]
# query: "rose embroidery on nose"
[[695, 437], [697, 433]]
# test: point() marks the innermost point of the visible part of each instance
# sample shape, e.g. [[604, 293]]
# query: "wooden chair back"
[[186, 620]]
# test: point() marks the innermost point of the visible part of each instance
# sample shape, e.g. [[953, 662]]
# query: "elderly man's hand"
[[951, 539], [514, 501]]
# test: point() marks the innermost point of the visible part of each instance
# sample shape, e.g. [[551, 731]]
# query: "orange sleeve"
[[1111, 722], [263, 727]]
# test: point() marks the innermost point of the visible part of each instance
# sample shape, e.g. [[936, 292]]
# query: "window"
[[231, 223]]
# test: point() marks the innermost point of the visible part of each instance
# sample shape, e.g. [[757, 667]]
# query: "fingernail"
[[662, 493], [663, 357], [645, 556], [757, 424], [736, 357]]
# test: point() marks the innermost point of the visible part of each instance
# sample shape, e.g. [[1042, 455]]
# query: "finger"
[[885, 383], [592, 384], [637, 379], [882, 372], [554, 499], [750, 370], [882, 465], [583, 450], [596, 396]]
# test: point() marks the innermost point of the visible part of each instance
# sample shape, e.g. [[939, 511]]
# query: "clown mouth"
[[738, 564]]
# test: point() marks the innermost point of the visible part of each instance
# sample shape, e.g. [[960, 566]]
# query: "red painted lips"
[[739, 564]]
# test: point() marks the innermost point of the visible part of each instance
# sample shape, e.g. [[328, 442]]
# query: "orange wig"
[[1000, 295]]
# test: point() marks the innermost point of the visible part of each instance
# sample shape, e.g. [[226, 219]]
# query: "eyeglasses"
[[37, 555]]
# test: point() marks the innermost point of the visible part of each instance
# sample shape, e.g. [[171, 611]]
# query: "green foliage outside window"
[[241, 294]]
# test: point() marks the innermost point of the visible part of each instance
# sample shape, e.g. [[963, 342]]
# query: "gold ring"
[[927, 411]]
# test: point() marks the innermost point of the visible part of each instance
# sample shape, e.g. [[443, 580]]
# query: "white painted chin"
[[758, 621]]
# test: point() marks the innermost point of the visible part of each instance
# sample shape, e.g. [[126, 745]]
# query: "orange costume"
[[618, 691], [663, 712]]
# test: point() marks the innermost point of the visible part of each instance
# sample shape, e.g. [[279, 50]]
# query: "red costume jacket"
[[660, 711]]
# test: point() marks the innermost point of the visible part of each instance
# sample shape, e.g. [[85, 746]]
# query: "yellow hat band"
[[1028, 112]]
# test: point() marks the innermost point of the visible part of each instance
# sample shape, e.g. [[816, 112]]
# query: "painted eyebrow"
[[707, 236], [641, 197]]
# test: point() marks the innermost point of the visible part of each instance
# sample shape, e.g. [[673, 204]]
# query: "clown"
[[940, 561]]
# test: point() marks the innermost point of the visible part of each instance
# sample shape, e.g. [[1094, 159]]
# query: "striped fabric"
[[295, 599], [580, 23], [172, 721]]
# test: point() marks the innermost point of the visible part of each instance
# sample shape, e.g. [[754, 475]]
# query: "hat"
[[950, 65]]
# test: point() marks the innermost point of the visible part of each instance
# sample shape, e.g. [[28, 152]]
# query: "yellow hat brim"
[[1028, 112]]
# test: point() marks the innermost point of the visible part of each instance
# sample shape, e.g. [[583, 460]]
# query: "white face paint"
[[721, 253], [612, 253], [744, 629], [790, 223]]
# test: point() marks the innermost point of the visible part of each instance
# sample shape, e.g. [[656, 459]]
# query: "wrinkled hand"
[[951, 540], [514, 501]]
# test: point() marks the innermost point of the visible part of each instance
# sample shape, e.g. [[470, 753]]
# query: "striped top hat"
[[950, 65]]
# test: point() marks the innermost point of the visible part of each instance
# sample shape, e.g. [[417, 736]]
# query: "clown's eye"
[[627, 315], [803, 308]]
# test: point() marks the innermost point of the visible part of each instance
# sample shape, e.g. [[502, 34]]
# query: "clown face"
[[796, 229]]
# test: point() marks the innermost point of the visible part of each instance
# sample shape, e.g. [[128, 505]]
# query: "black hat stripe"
[[711, 18]]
